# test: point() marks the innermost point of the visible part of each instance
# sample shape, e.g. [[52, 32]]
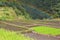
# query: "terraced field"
[[24, 28]]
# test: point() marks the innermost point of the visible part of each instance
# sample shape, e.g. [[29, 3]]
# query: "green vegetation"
[[56, 9], [7, 13], [8, 35], [46, 30], [32, 9]]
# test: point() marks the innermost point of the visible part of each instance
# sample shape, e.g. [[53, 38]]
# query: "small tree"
[[56, 9]]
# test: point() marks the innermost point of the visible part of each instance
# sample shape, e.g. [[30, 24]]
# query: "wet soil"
[[31, 34]]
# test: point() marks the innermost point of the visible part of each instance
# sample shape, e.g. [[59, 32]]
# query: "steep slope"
[[31, 9]]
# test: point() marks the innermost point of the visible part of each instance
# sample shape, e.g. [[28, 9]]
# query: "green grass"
[[46, 30], [8, 35]]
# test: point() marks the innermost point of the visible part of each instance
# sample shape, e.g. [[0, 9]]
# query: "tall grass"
[[8, 35]]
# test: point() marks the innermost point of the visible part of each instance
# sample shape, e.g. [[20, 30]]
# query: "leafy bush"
[[7, 13]]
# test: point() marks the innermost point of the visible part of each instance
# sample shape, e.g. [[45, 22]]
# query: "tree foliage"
[[35, 9]]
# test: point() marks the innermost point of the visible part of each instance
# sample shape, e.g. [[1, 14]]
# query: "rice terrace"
[[29, 20]]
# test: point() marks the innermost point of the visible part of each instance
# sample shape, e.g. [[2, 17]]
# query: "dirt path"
[[41, 37], [55, 24], [30, 34]]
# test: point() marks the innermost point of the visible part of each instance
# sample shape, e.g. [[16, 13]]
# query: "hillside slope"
[[32, 9]]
